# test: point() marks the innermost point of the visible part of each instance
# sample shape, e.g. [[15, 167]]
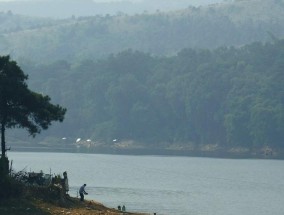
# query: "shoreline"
[[219, 154], [37, 206]]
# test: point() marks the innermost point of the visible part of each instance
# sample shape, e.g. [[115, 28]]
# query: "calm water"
[[169, 185]]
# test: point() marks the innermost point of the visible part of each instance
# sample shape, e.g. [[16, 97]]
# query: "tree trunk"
[[3, 145], [4, 162]]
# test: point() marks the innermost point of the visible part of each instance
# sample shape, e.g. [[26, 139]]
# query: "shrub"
[[10, 187]]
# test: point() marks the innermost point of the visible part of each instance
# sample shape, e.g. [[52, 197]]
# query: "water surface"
[[168, 185]]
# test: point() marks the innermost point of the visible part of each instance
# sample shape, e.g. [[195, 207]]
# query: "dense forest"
[[181, 80], [228, 97], [159, 33]]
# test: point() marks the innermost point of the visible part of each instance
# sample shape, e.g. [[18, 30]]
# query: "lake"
[[168, 185]]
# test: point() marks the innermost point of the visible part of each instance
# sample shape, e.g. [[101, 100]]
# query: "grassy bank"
[[21, 198]]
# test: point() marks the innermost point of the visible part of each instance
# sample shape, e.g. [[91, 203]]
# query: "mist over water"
[[169, 185]]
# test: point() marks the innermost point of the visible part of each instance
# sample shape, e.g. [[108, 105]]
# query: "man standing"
[[82, 192], [65, 182]]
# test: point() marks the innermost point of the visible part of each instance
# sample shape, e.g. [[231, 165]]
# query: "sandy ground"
[[73, 207], [82, 208]]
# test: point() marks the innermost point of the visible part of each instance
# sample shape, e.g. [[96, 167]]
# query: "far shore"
[[218, 153]]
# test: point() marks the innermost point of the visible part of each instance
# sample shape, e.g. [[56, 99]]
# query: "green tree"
[[21, 107]]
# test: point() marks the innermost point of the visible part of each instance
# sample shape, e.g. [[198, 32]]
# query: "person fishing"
[[82, 192]]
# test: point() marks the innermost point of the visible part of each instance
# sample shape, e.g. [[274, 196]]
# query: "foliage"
[[21, 185], [10, 186], [21, 107]]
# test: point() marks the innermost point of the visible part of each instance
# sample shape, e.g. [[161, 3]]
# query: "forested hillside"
[[228, 97], [225, 24], [182, 80]]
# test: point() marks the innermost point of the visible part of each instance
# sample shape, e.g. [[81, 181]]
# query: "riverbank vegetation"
[[17, 197]]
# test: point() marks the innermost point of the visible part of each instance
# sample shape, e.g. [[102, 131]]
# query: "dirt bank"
[[20, 206]]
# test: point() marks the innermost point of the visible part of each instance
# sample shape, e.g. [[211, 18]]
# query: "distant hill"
[[160, 33], [68, 8]]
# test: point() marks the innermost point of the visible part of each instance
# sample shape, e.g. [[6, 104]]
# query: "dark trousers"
[[82, 197]]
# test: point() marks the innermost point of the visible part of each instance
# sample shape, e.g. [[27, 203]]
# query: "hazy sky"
[[93, 0], [193, 1]]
